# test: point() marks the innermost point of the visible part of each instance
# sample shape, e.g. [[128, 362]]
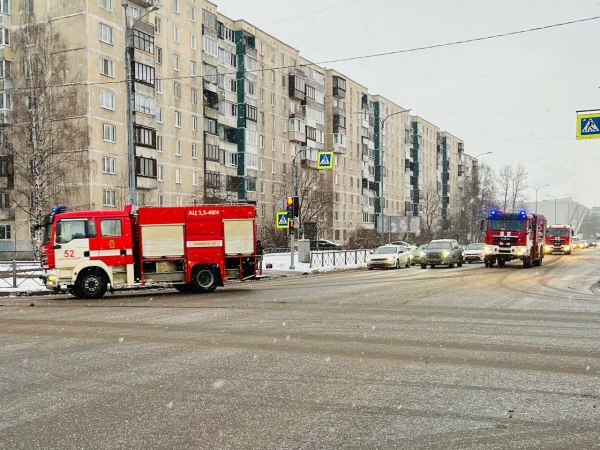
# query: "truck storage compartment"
[[156, 271], [239, 237], [162, 241]]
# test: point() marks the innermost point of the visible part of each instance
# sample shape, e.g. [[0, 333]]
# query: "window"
[[143, 73], [109, 165], [262, 49], [4, 68], [210, 125], [105, 4], [251, 137], [283, 103], [176, 62], [193, 41], [176, 6], [211, 152], [159, 85], [262, 72], [140, 199], [226, 33], [262, 142], [179, 201], [176, 34], [194, 151], [177, 119], [195, 178], [273, 144], [146, 167], [177, 90], [228, 108], [284, 147], [108, 132], [262, 95], [159, 115], [159, 143], [144, 104], [143, 136], [194, 97], [227, 58], [209, 19], [158, 25], [106, 34], [284, 125], [161, 200], [158, 54], [251, 88], [110, 228], [262, 165], [251, 112], [5, 200], [194, 123], [227, 83], [272, 76], [262, 118], [143, 41], [177, 148], [107, 100], [272, 99], [283, 77], [210, 46], [5, 100], [193, 14], [273, 167], [262, 189], [4, 36], [160, 173], [107, 67], [178, 176], [108, 198]]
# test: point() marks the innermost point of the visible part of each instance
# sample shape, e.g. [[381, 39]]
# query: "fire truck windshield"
[[502, 224], [558, 232]]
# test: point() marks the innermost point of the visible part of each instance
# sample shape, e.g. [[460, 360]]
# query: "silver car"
[[389, 256], [474, 253]]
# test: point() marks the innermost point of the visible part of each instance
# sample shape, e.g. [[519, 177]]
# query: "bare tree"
[[430, 215], [49, 136], [505, 183], [518, 186]]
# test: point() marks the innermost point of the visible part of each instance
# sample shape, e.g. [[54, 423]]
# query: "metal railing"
[[20, 274], [338, 258]]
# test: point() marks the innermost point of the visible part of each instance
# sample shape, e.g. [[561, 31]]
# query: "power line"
[[464, 41], [310, 13], [374, 55]]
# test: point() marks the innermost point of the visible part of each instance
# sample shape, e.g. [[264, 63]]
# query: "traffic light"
[[293, 206]]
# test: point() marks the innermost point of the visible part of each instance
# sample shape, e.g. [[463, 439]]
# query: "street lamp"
[[130, 94], [481, 154], [536, 193], [555, 199], [381, 197]]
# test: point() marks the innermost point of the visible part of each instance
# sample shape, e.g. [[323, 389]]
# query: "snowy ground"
[[281, 262]]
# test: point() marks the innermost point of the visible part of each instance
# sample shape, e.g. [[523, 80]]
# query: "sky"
[[515, 96]]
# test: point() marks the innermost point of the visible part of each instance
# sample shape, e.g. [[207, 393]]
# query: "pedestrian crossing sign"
[[588, 125], [281, 220], [325, 160]]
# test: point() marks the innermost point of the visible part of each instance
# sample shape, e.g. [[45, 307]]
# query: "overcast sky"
[[515, 96]]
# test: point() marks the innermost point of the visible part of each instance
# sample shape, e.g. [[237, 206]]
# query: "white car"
[[474, 253], [389, 256]]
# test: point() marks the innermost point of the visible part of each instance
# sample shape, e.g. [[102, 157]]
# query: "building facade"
[[221, 112]]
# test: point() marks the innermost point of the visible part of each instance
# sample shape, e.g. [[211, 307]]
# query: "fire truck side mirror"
[[482, 225]]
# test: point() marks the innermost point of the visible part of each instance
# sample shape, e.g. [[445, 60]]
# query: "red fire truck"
[[510, 236], [559, 239], [194, 248]]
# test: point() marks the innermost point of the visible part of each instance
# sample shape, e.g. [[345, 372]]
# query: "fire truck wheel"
[[501, 263], [460, 263], [423, 266], [527, 262], [91, 284], [204, 279]]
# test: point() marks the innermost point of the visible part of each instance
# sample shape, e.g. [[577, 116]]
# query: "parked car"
[[412, 248], [419, 255], [585, 244], [324, 244], [443, 252], [474, 253], [390, 256]]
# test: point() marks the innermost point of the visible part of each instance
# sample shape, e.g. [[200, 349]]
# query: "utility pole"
[[129, 49], [536, 194], [293, 174]]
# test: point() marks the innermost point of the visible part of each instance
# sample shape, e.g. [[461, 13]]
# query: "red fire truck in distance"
[[510, 236], [194, 248], [559, 239]]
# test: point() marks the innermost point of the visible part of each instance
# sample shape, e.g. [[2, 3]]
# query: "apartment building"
[[221, 111]]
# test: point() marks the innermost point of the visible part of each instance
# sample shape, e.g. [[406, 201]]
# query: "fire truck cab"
[[559, 239], [194, 248], [510, 236]]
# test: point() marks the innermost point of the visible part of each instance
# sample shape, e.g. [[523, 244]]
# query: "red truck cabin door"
[[113, 246]]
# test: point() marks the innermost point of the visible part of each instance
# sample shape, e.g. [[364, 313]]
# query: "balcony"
[[143, 3], [339, 124], [7, 213], [146, 183], [297, 86], [5, 118], [339, 87]]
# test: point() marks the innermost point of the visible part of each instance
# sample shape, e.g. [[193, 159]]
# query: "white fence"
[[20, 274], [338, 258]]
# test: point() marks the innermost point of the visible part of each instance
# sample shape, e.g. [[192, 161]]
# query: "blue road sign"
[[325, 160], [281, 220], [588, 126]]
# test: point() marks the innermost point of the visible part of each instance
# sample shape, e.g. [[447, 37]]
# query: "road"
[[418, 359]]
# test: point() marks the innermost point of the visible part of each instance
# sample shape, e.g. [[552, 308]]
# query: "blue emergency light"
[[59, 209]]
